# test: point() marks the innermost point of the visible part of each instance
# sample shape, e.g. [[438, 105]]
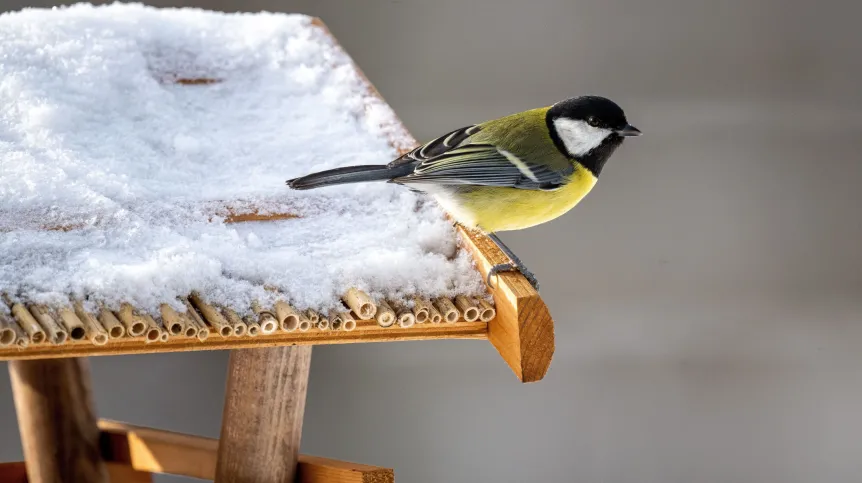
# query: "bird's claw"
[[508, 267], [503, 267]]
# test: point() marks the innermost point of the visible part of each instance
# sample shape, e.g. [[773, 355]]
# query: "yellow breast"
[[493, 209]]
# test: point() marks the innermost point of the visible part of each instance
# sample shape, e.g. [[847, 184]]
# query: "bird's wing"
[[483, 165], [437, 146]]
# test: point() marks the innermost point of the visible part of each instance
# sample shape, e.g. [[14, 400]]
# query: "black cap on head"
[[590, 146], [596, 111]]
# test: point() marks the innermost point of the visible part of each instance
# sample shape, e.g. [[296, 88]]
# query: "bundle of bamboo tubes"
[[38, 324]]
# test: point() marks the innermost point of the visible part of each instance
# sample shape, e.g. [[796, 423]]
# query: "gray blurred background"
[[707, 294]]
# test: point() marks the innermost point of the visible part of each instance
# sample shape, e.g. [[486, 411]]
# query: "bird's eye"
[[592, 121]]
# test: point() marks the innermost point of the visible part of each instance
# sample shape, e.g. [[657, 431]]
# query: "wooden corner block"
[[523, 331]]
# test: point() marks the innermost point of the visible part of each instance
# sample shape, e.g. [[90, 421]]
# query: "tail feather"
[[349, 174]]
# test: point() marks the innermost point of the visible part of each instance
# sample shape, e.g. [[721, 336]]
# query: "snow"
[[93, 137]]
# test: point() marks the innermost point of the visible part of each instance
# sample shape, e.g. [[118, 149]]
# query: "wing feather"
[[456, 159], [437, 146], [485, 165]]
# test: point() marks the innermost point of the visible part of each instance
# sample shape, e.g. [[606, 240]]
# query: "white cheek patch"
[[578, 136]]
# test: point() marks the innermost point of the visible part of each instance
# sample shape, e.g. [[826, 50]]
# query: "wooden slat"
[[117, 473], [56, 420], [15, 472], [314, 469], [157, 451], [366, 331]]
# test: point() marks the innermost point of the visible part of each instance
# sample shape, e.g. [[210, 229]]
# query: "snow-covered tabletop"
[[112, 169]]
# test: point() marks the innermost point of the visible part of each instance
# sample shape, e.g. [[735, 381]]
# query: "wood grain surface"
[[262, 420], [57, 422]]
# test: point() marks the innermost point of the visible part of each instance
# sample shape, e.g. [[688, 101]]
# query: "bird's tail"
[[349, 174]]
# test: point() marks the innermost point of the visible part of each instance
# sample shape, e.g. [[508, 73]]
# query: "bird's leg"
[[516, 264]]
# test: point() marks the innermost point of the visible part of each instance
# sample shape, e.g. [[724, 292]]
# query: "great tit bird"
[[509, 173]]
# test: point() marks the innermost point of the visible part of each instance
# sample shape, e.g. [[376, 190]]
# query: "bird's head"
[[580, 125]]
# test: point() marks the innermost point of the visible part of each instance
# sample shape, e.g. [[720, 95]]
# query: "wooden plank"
[[262, 420], [160, 451], [117, 473], [523, 331], [314, 469], [366, 331], [157, 451], [15, 472], [56, 421]]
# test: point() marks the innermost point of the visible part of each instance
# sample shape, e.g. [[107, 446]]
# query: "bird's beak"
[[629, 130]]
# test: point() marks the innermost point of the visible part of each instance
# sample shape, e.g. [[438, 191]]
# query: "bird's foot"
[[508, 267]]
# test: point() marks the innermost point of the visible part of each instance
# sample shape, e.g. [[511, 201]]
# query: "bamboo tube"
[[191, 327], [174, 323], [190, 317], [135, 326], [313, 316], [211, 315], [404, 315], [95, 332], [447, 309], [29, 323], [406, 319], [348, 323], [111, 324], [323, 324], [385, 315], [253, 326], [7, 331], [434, 315], [235, 321], [287, 316], [194, 318], [421, 309], [153, 332], [56, 334], [72, 323], [467, 307], [335, 320], [266, 318], [486, 311], [304, 324], [259, 310], [268, 323], [360, 303], [11, 332], [22, 340], [164, 337]]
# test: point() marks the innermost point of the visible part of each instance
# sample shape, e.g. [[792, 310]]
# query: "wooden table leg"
[[262, 419], [57, 421]]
